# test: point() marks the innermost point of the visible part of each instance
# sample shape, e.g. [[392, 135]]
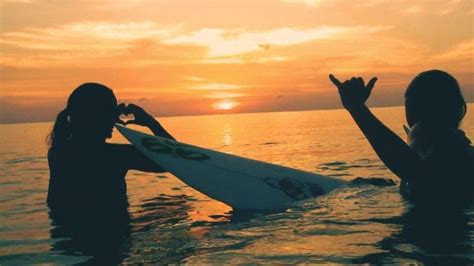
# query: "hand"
[[141, 117], [120, 109], [353, 92]]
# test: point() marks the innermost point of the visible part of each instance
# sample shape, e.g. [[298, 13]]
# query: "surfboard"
[[242, 183]]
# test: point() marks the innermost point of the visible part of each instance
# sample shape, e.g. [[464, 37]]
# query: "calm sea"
[[172, 223]]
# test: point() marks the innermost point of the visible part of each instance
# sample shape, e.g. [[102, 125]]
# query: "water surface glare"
[[172, 223]]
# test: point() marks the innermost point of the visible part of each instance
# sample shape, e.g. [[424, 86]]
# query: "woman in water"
[[87, 174], [438, 161]]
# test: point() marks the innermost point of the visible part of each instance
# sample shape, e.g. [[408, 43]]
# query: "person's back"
[[449, 162], [91, 177]]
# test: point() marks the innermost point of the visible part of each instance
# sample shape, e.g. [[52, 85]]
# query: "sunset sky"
[[228, 56]]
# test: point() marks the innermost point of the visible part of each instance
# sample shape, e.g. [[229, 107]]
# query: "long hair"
[[61, 131], [83, 102], [434, 98], [435, 108]]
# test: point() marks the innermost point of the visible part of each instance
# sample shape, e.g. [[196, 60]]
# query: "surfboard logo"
[[295, 189], [172, 148]]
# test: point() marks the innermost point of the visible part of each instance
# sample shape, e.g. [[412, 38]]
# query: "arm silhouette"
[[142, 118], [390, 148], [135, 159]]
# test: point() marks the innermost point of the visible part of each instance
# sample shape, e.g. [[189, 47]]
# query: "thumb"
[[371, 84], [335, 81]]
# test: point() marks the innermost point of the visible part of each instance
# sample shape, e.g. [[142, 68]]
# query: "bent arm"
[[129, 155], [390, 148], [142, 118], [158, 129], [132, 159]]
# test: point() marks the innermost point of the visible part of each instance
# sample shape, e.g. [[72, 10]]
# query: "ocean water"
[[172, 223]]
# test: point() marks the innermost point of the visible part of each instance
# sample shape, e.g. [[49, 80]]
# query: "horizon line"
[[227, 113]]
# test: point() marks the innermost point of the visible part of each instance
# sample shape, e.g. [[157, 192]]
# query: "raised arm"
[[142, 118], [133, 158], [390, 148]]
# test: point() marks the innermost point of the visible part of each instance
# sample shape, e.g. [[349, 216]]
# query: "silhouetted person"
[[87, 191], [436, 167], [425, 235]]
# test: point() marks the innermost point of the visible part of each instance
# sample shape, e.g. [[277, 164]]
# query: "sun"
[[225, 106]]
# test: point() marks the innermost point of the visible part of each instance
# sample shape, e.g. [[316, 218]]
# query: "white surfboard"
[[239, 182]]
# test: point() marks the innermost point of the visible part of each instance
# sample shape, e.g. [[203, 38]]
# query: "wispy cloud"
[[461, 56], [413, 10], [311, 3], [147, 42], [194, 78], [86, 35], [20, 1], [224, 95], [218, 90], [450, 6], [215, 86], [222, 42]]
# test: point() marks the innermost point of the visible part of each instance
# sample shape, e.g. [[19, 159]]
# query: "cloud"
[[443, 8], [215, 86], [450, 6], [412, 10], [194, 78], [85, 36], [104, 43], [464, 50], [218, 90], [372, 3], [310, 3], [20, 1], [222, 42], [219, 61], [224, 95], [460, 57], [143, 43]]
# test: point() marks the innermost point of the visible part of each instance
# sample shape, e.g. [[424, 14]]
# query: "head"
[[434, 98], [90, 114]]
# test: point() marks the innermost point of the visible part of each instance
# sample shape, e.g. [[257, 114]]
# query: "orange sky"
[[203, 57]]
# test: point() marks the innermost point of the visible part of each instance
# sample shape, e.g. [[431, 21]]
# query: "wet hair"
[[84, 103], [434, 98]]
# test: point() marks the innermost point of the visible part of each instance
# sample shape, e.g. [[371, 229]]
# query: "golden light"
[[220, 63], [225, 106]]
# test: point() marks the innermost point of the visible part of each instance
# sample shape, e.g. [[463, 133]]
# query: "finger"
[[130, 122], [130, 109], [120, 108], [360, 82], [354, 81], [335, 81], [371, 84], [345, 84], [133, 108], [121, 122], [126, 110]]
